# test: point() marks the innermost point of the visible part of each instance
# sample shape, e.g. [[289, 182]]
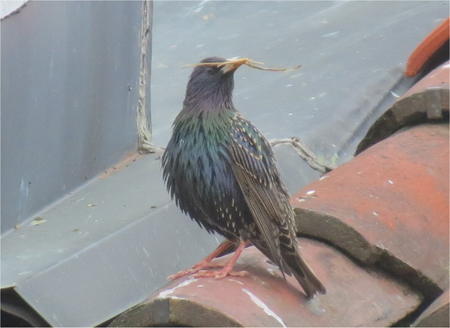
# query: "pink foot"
[[196, 268], [206, 263], [219, 274]]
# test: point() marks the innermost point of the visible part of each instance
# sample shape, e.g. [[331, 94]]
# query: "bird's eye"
[[211, 71]]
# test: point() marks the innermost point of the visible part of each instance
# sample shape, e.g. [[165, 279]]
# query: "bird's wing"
[[257, 175]]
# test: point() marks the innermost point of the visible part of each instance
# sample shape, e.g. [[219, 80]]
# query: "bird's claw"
[[218, 274], [178, 274], [196, 268]]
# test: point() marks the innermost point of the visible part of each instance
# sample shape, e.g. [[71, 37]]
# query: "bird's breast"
[[199, 175]]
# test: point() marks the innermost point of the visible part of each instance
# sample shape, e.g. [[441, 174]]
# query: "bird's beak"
[[233, 64]]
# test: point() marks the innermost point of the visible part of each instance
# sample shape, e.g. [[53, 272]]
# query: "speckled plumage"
[[222, 172]]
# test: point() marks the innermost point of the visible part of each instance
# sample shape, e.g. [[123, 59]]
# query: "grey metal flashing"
[[102, 249], [70, 74]]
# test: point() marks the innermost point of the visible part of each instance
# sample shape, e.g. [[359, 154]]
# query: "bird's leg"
[[227, 269], [206, 262]]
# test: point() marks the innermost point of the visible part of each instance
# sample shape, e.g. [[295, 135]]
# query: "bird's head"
[[212, 81], [216, 68]]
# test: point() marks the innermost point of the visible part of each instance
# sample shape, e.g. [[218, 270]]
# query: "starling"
[[222, 172]]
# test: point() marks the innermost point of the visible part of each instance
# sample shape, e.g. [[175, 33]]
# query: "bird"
[[221, 171]]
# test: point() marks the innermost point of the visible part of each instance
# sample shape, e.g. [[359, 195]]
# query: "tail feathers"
[[304, 275], [293, 263]]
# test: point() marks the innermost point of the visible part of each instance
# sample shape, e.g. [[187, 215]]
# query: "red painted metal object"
[[427, 48]]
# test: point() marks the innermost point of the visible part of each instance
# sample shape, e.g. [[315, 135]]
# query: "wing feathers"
[[262, 211], [255, 170]]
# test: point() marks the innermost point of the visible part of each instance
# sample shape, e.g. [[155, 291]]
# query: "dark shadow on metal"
[[17, 313]]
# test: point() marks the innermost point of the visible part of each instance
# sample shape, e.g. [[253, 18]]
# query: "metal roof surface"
[[352, 53]]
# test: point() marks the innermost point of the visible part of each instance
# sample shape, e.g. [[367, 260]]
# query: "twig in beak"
[[235, 63]]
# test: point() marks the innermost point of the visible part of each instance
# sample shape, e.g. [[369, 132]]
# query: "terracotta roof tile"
[[390, 205], [355, 296]]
